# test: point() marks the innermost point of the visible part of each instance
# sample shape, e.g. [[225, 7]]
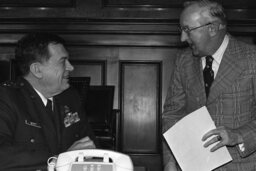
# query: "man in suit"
[[230, 98], [30, 132]]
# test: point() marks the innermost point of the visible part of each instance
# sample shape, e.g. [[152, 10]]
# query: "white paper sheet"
[[185, 141]]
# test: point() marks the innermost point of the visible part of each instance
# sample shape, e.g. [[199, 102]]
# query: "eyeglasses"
[[187, 30]]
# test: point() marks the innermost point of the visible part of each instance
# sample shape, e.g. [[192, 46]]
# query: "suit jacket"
[[231, 102], [28, 134]]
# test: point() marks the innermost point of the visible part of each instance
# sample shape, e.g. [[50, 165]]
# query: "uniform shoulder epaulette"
[[8, 84]]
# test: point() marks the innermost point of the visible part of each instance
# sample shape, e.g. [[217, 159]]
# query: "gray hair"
[[215, 9]]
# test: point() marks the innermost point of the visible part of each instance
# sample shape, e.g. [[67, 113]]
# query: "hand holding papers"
[[185, 141]]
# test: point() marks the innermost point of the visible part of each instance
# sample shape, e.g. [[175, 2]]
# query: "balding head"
[[207, 10], [203, 26]]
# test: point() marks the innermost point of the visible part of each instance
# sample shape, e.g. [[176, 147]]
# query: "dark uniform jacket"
[[29, 135]]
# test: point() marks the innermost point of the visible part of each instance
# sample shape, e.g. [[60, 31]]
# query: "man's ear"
[[35, 69], [213, 29], [222, 26]]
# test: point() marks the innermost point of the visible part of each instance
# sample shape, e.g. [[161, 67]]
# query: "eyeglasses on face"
[[187, 30]]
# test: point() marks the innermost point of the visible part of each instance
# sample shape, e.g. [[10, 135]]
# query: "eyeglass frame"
[[187, 30]]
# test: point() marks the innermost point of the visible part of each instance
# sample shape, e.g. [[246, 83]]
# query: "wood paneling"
[[114, 9], [103, 33], [229, 4], [130, 44], [144, 3], [37, 3], [140, 106], [95, 69]]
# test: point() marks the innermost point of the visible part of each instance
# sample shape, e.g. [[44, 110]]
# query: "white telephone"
[[91, 160]]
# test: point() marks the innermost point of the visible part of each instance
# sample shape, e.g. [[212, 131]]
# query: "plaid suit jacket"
[[231, 102]]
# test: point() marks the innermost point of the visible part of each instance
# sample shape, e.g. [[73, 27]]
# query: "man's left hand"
[[84, 143], [224, 136]]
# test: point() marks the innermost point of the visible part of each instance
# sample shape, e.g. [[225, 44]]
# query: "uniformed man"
[[40, 116]]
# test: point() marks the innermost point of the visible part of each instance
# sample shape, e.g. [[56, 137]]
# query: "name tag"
[[33, 124]]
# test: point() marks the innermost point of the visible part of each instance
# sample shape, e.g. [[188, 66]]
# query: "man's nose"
[[69, 67], [183, 36]]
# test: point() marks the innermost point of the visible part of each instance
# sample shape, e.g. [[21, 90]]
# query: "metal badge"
[[70, 117]]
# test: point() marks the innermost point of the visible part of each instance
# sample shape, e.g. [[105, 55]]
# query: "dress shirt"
[[217, 56], [42, 97]]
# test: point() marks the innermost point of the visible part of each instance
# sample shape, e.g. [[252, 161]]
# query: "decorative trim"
[[134, 33], [142, 4], [228, 4], [104, 26], [38, 3]]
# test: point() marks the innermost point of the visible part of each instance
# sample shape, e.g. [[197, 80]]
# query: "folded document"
[[185, 141]]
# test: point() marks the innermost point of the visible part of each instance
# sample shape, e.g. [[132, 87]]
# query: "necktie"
[[49, 106], [208, 74], [49, 109], [54, 119]]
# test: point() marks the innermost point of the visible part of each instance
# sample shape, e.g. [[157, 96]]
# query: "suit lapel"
[[197, 82], [228, 71]]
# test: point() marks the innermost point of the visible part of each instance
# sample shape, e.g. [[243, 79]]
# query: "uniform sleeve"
[[71, 96], [15, 155]]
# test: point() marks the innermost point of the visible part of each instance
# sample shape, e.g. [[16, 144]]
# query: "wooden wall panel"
[[245, 4], [95, 69], [140, 106], [125, 10], [37, 3], [113, 54], [145, 3], [102, 35]]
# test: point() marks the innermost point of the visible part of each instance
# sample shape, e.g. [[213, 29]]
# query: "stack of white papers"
[[185, 141]]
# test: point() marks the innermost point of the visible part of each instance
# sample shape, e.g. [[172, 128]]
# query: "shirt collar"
[[219, 53], [42, 97]]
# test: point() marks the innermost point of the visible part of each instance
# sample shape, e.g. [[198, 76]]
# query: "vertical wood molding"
[[140, 106]]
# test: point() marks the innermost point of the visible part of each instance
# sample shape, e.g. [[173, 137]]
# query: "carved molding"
[[143, 4], [228, 4], [78, 32], [37, 3]]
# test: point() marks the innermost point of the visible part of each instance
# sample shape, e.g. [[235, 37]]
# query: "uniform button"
[[76, 135], [32, 140]]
